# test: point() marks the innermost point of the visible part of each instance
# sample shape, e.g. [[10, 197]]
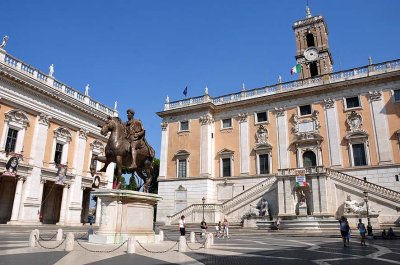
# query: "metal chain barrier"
[[101, 251], [199, 241], [38, 241], [44, 239], [157, 252], [202, 246]]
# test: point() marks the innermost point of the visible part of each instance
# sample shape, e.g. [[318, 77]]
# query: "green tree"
[[154, 181]]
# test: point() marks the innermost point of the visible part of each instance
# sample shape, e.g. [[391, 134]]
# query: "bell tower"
[[312, 49]]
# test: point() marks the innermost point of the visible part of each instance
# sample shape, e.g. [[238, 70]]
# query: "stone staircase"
[[229, 206], [371, 188]]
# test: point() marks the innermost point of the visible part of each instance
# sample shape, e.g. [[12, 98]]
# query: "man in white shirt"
[[182, 225]]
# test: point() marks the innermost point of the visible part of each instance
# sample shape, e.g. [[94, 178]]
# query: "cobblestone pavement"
[[241, 249]]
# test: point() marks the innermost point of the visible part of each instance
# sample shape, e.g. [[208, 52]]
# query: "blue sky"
[[138, 52]]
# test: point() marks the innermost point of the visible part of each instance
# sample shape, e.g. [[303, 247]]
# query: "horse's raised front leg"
[[119, 172], [102, 159]]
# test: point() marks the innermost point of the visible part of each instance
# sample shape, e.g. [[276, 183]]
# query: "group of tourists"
[[345, 231], [222, 229]]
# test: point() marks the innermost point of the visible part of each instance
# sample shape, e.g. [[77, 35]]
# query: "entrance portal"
[[51, 203], [85, 205], [7, 193]]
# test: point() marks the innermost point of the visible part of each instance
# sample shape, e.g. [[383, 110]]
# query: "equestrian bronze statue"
[[127, 147]]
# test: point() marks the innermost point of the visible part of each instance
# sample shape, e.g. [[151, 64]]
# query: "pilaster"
[[244, 143], [282, 138], [206, 122], [17, 201], [164, 150], [380, 125], [332, 128]]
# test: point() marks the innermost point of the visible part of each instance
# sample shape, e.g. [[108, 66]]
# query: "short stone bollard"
[[131, 245], [192, 237], [182, 244], [207, 244], [212, 239], [161, 234], [156, 239], [33, 238], [59, 234], [69, 242]]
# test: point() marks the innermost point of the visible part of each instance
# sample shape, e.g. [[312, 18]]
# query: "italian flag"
[[296, 69]]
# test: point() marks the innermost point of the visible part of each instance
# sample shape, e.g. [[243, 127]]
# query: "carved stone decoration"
[[17, 116], [280, 112], [242, 117], [206, 119], [315, 119], [375, 95], [354, 121], [63, 133], [307, 130], [164, 125], [262, 135], [83, 134], [329, 103], [44, 119], [97, 146]]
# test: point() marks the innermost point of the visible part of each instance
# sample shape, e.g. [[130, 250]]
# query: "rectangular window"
[[226, 167], [58, 153], [396, 95], [359, 155], [264, 164], [261, 117], [305, 110], [353, 102], [184, 126], [182, 168], [226, 123], [11, 140]]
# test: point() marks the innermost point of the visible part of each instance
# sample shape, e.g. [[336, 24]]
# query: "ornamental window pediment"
[[262, 139], [182, 154], [62, 135], [354, 122], [17, 118], [97, 147]]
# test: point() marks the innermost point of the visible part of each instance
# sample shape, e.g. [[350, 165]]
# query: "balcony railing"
[[356, 73], [54, 84]]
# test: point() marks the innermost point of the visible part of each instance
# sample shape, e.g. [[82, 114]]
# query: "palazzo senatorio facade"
[[51, 130], [341, 128]]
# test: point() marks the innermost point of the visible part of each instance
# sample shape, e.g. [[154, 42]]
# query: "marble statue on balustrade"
[[87, 87], [51, 70], [4, 42], [355, 207]]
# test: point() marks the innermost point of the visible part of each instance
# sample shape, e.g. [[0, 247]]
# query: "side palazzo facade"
[[51, 129]]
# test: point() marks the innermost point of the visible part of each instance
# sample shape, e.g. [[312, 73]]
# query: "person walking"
[[182, 225], [203, 226], [226, 228], [218, 229], [361, 228], [344, 231]]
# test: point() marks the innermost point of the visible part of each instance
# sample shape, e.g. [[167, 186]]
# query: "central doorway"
[[7, 193], [51, 203]]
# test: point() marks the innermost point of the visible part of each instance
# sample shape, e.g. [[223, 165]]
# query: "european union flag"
[[185, 91]]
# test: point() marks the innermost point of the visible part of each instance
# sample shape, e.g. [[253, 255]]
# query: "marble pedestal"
[[125, 214]]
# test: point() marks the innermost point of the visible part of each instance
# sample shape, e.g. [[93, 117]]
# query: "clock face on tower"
[[311, 54]]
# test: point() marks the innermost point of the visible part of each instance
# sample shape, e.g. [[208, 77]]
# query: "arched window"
[[313, 69], [309, 159], [310, 40]]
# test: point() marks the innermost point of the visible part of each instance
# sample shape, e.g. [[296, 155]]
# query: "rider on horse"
[[134, 132]]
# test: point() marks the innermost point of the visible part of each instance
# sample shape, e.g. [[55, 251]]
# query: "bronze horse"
[[118, 150]]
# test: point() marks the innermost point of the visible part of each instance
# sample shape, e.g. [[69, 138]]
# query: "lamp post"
[[369, 226], [203, 200]]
